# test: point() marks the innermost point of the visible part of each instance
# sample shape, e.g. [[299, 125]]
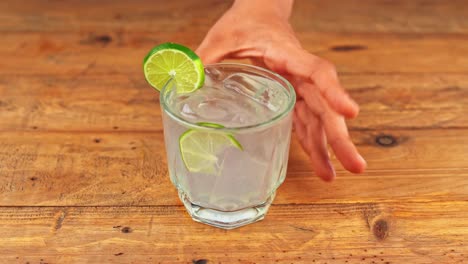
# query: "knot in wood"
[[104, 39], [126, 230], [380, 229], [386, 140]]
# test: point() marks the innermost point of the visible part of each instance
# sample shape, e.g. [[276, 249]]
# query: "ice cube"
[[261, 89]]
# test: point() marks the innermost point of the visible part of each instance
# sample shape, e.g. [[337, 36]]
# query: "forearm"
[[278, 8]]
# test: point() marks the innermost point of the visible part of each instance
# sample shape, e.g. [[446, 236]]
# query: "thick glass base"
[[226, 219]]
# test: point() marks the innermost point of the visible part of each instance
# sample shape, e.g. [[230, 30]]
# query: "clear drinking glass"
[[251, 108]]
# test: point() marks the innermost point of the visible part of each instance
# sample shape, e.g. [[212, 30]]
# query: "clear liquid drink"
[[227, 143]]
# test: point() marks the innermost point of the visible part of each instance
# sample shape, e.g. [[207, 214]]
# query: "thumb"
[[212, 49]]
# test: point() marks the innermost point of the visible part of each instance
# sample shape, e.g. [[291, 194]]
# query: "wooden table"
[[83, 175]]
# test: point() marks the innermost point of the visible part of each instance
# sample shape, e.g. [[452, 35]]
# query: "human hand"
[[322, 105]]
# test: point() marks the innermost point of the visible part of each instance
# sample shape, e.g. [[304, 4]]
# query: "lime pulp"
[[200, 149]]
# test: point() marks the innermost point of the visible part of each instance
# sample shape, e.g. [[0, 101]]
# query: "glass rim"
[[259, 70]]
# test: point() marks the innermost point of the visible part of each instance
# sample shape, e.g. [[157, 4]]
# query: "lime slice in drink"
[[173, 61], [200, 149]]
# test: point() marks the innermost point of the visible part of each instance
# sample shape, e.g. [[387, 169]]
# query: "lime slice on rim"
[[200, 149], [174, 61]]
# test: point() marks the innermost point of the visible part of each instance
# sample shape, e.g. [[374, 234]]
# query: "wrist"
[[277, 9]]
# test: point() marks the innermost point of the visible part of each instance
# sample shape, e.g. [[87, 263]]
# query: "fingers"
[[300, 63], [335, 129], [338, 138], [311, 97], [312, 137], [301, 130], [327, 81]]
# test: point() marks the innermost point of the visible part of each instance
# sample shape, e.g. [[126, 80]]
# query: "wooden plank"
[[91, 53], [389, 53], [105, 103], [128, 103], [52, 165], [107, 15], [409, 101], [433, 16], [338, 233], [61, 168], [83, 176], [420, 16]]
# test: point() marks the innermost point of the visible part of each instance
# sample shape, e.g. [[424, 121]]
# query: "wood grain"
[[409, 101], [124, 15], [47, 168], [91, 41], [91, 53], [371, 16], [332, 233], [419, 16], [83, 175], [61, 103]]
